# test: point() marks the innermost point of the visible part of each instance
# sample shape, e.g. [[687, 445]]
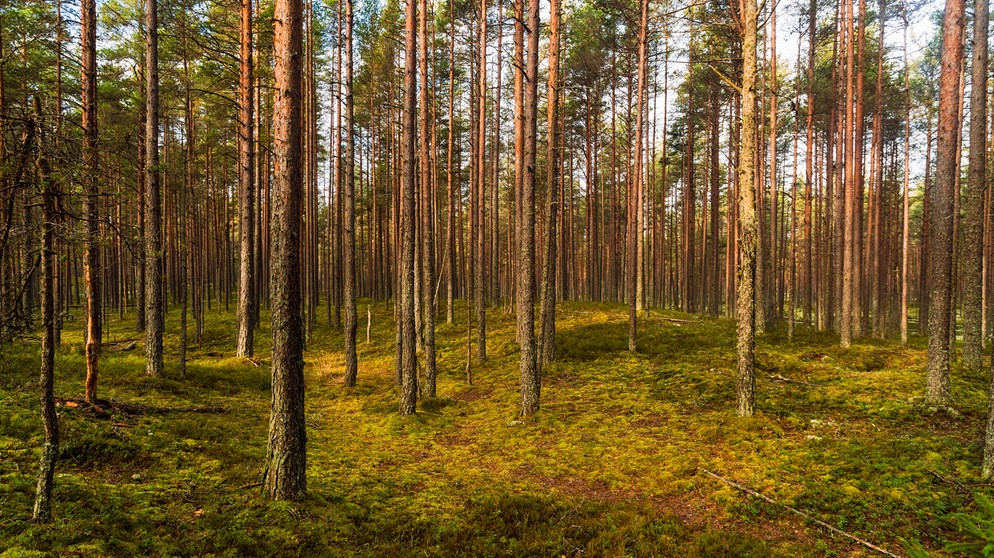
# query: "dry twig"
[[807, 516]]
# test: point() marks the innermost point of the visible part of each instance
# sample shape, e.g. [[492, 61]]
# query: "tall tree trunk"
[[878, 268], [973, 223], [847, 327], [479, 171], [153, 198], [856, 223], [746, 311], [141, 165], [905, 227], [634, 227], [427, 209], [770, 258], [91, 200], [714, 164], [809, 165], [530, 375], [349, 249], [50, 421], [246, 189], [185, 190], [547, 336], [285, 476], [409, 359], [937, 390], [689, 201], [450, 243]]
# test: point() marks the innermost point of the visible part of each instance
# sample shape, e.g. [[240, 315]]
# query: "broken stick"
[[752, 492]]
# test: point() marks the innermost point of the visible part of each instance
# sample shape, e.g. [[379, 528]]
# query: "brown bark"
[[937, 390], [847, 326], [153, 199], [286, 458], [427, 210], [349, 248], [246, 188], [547, 336], [634, 226], [973, 222], [530, 375], [808, 166], [409, 362], [450, 243], [746, 311], [42, 511], [905, 228], [479, 185], [878, 265], [91, 198]]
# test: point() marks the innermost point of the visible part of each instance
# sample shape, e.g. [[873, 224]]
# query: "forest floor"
[[611, 466]]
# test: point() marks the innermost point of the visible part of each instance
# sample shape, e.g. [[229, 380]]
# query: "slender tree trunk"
[[479, 170], [973, 223], [877, 267], [849, 160], [187, 188], [285, 476], [450, 243], [409, 359], [246, 189], [530, 375], [339, 283], [634, 227], [153, 199], [91, 200], [925, 251], [714, 282], [856, 223], [50, 421], [937, 390], [547, 337], [809, 165], [746, 312], [349, 249], [427, 215], [771, 257], [905, 228], [141, 165]]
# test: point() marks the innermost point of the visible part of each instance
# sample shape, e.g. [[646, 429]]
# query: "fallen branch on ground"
[[807, 516], [963, 488], [104, 407], [780, 378], [119, 342]]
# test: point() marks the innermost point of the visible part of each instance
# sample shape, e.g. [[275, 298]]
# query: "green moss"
[[609, 467]]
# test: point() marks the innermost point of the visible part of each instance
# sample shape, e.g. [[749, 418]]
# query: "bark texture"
[[286, 459], [937, 390], [745, 298]]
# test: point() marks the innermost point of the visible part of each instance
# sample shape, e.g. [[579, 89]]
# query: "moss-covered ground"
[[611, 466]]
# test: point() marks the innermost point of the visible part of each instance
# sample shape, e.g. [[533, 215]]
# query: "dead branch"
[[781, 378], [104, 407], [807, 516]]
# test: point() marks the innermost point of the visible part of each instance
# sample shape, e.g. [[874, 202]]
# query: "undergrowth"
[[611, 466]]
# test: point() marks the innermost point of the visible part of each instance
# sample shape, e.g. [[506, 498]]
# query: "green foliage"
[[978, 528]]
